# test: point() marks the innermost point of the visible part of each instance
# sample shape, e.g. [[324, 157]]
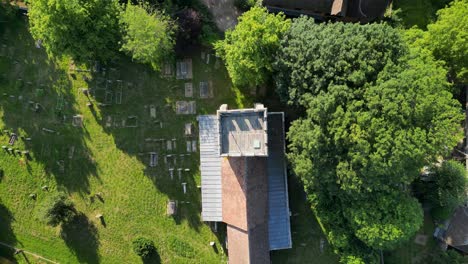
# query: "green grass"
[[107, 160], [306, 233]]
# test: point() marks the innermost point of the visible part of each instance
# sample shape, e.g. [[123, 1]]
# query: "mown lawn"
[[100, 157]]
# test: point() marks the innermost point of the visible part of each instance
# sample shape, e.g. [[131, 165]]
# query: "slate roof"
[[279, 231], [278, 220], [457, 232], [210, 168]]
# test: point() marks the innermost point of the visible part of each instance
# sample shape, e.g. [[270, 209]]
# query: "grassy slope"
[[105, 160]]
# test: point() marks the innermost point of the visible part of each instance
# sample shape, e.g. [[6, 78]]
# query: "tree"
[[85, 30], [313, 55], [249, 49], [374, 117], [190, 24], [450, 188], [56, 209], [448, 38], [143, 247], [148, 34]]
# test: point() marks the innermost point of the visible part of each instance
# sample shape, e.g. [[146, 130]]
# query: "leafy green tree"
[[450, 188], [249, 49], [374, 118], [313, 55], [56, 209], [448, 38], [148, 34], [83, 29]]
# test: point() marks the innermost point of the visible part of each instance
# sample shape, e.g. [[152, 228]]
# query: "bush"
[[57, 209], [143, 247]]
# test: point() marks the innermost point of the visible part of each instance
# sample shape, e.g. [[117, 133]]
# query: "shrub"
[[143, 247], [56, 209]]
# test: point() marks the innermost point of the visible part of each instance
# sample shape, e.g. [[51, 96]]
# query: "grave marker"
[[169, 144], [171, 173], [152, 111], [153, 159], [194, 146], [77, 121], [188, 129], [188, 89], [189, 146]]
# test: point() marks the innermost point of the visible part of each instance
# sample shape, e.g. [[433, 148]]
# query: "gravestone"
[[188, 89], [188, 129], [153, 159], [168, 144], [194, 146], [77, 121], [171, 173], [189, 146], [152, 111]]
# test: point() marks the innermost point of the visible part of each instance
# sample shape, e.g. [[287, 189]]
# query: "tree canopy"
[[85, 30], [148, 34], [312, 56], [376, 113], [450, 187], [448, 38], [249, 49]]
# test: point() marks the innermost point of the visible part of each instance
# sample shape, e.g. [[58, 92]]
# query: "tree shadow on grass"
[[38, 104], [80, 235], [142, 89], [6, 233], [154, 258]]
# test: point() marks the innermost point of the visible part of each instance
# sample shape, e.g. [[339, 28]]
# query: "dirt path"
[[224, 13], [29, 253]]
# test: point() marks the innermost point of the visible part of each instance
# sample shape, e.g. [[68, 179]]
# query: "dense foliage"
[[376, 114], [448, 38], [450, 188], [85, 30], [312, 56], [148, 34], [56, 209], [249, 49], [143, 247]]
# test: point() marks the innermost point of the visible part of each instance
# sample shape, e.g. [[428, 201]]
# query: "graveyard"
[[121, 140]]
